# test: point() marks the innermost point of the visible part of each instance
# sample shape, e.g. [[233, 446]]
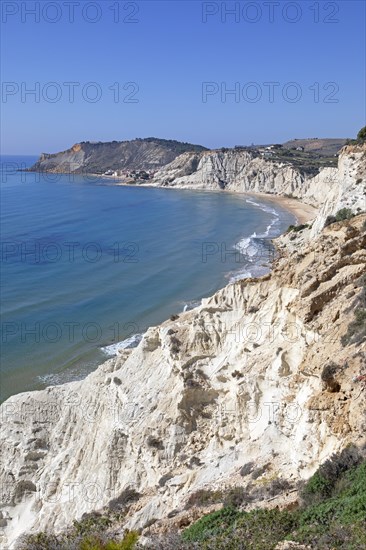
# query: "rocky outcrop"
[[233, 170], [236, 380], [99, 157], [341, 188]]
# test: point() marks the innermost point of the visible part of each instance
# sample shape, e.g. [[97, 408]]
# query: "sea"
[[87, 266]]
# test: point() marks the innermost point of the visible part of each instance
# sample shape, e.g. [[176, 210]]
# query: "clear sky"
[[164, 69]]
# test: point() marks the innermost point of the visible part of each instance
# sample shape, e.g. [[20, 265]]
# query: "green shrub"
[[211, 525], [228, 529], [333, 515], [128, 543], [341, 215], [278, 486], [344, 214], [74, 541], [264, 529], [237, 496], [317, 488], [329, 220], [297, 228], [91, 522], [203, 497], [361, 136], [344, 506], [323, 483], [40, 541]]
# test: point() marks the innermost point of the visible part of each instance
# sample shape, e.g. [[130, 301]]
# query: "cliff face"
[[341, 188], [90, 157], [235, 380], [232, 170], [330, 190]]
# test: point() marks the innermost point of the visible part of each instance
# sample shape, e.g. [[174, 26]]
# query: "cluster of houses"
[[266, 152], [269, 151], [131, 175]]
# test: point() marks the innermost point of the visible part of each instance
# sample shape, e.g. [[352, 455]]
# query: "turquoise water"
[[85, 264]]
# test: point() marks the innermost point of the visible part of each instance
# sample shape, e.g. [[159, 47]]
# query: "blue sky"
[[182, 58]]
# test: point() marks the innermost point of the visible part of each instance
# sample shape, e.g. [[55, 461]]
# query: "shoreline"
[[302, 211], [54, 377]]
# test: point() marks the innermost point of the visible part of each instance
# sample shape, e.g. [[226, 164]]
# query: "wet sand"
[[303, 212]]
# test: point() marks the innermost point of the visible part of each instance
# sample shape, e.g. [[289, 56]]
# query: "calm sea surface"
[[86, 265]]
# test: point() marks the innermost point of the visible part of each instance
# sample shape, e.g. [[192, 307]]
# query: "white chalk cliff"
[[232, 381], [236, 170]]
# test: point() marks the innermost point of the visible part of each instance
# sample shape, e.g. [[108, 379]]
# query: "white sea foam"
[[81, 371], [269, 210], [129, 343], [254, 249], [191, 305], [69, 375], [247, 246], [248, 272]]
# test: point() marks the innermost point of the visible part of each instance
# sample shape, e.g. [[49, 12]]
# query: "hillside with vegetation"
[[330, 514], [102, 158]]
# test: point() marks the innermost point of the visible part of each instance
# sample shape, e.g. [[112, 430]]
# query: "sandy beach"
[[302, 211]]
